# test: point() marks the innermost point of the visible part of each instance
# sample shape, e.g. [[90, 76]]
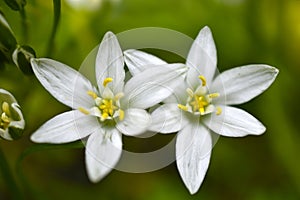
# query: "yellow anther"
[[201, 110], [106, 81], [203, 79], [121, 114], [104, 115], [182, 107], [213, 95], [92, 94], [5, 108], [218, 110], [83, 110]]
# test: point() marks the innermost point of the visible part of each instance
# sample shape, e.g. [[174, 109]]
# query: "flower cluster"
[[193, 101]]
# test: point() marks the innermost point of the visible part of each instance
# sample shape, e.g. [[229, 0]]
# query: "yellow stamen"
[[201, 110], [92, 94], [121, 115], [5, 108], [182, 107], [218, 111], [104, 115], [106, 81], [203, 79], [213, 95], [83, 110]]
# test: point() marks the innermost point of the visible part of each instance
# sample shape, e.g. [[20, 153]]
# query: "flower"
[[12, 122], [105, 112], [201, 106]]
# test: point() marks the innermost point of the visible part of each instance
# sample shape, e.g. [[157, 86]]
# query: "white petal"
[[110, 63], [193, 150], [66, 127], [244, 83], [66, 84], [138, 61], [167, 118], [202, 58], [234, 122], [153, 85], [103, 151], [135, 122]]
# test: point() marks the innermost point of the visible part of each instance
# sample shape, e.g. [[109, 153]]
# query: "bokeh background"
[[245, 31]]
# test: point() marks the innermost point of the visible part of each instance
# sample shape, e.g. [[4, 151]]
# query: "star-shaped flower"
[[201, 106], [101, 113], [12, 122]]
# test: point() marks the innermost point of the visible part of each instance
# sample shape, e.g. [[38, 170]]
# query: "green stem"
[[8, 177], [24, 24], [57, 10]]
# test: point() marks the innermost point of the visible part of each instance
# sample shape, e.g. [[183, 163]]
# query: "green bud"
[[21, 57], [16, 4], [8, 41]]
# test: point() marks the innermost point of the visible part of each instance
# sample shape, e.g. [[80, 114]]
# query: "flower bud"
[[21, 57], [12, 122]]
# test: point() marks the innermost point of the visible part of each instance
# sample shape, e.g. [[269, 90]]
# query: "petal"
[[193, 150], [167, 118], [244, 83], [7, 97], [103, 151], [153, 85], [202, 58], [138, 61], [110, 63], [66, 127], [64, 83], [135, 122], [234, 122]]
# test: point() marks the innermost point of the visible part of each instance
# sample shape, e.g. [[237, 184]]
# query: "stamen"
[[218, 110], [121, 114], [92, 94], [106, 81], [201, 110], [104, 116], [182, 107], [213, 95], [203, 79], [5, 108], [118, 96], [83, 110]]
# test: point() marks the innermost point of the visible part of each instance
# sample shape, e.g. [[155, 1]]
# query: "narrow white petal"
[[234, 122], [135, 122], [66, 127], [66, 84], [110, 63], [167, 118], [202, 58], [242, 84], [153, 85], [103, 151], [193, 150], [138, 61]]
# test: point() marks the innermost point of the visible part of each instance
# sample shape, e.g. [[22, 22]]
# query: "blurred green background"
[[245, 31]]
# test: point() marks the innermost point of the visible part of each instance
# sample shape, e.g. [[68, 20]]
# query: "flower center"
[[199, 102], [5, 116], [107, 107]]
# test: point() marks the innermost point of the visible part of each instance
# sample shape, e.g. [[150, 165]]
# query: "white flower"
[[12, 122], [202, 105], [105, 112]]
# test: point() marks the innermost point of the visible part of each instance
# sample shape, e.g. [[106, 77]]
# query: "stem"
[[8, 177], [24, 24], [57, 10]]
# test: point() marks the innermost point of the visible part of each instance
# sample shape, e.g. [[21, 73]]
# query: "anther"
[[203, 79], [121, 114], [106, 81], [213, 95], [218, 110], [92, 94], [182, 107]]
